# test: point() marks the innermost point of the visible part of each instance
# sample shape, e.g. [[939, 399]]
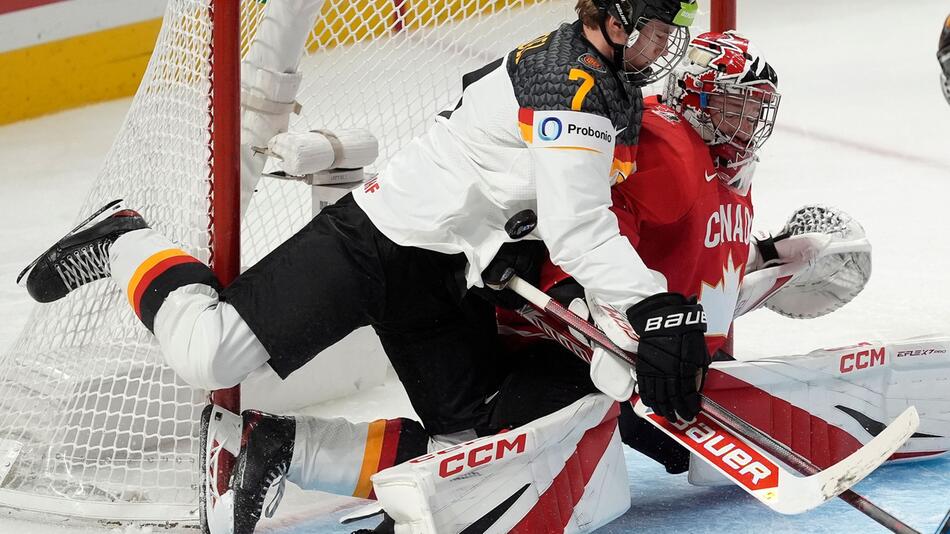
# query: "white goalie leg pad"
[[829, 402], [270, 81], [563, 472]]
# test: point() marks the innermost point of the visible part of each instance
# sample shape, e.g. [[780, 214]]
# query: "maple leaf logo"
[[719, 300]]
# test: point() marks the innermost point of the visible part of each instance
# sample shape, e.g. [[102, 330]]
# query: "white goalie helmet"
[[729, 94]]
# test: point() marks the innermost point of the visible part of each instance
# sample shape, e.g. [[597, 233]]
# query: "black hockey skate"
[[267, 445], [81, 256]]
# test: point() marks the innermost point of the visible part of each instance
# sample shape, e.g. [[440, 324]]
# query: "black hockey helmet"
[[651, 25], [943, 55], [633, 13]]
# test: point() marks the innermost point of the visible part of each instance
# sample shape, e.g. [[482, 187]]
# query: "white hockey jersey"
[[550, 128]]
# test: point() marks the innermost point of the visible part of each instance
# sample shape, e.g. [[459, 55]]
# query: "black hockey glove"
[[523, 258], [672, 359]]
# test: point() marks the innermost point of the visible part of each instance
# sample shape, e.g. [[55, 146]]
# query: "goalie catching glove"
[[672, 358], [817, 263]]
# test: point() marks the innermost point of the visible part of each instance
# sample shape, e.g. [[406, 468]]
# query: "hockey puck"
[[521, 224]]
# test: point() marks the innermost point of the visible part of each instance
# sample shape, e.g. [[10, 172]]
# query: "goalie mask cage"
[[92, 424]]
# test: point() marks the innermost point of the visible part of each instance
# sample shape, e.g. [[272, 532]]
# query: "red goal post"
[[722, 15]]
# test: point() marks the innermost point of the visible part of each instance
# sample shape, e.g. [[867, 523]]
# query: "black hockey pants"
[[339, 273]]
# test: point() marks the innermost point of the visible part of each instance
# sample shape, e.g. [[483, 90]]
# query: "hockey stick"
[[714, 436], [944, 526]]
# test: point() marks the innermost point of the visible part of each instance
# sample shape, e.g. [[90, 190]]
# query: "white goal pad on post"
[[92, 424]]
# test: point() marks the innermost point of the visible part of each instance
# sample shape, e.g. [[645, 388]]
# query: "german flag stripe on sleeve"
[[159, 275], [526, 124], [374, 447], [385, 447]]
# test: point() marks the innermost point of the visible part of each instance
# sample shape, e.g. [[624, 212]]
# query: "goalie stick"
[[770, 483]]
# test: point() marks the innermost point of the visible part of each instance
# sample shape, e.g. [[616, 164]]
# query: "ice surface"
[[863, 127]]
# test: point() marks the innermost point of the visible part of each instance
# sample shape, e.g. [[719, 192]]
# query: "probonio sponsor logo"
[[590, 132]]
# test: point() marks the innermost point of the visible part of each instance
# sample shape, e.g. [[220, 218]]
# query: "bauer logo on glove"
[[672, 356], [674, 320]]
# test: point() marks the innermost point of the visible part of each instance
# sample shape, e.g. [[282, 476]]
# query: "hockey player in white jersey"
[[548, 128]]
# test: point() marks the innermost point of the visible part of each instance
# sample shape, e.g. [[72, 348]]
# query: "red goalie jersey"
[[685, 223]]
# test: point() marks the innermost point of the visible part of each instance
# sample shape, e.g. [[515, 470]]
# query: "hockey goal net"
[[92, 424]]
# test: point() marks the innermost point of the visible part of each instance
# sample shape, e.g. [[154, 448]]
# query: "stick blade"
[[848, 472], [944, 526], [768, 480]]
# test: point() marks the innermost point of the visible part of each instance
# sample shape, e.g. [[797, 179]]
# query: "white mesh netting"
[[91, 422]]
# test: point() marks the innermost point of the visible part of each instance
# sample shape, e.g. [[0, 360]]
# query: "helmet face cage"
[[943, 56], [657, 46], [727, 92], [741, 116], [658, 34], [945, 85]]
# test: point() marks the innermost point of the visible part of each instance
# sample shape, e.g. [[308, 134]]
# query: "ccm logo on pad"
[[861, 360], [462, 457]]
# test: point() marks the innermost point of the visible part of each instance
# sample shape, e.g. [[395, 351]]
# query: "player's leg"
[[152, 271], [434, 341], [331, 455], [547, 377], [447, 357], [314, 289], [307, 294], [544, 378]]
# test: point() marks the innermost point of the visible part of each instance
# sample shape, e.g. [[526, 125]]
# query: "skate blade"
[[361, 513], [103, 213]]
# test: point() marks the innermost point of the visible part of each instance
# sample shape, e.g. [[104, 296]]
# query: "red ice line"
[[10, 6], [868, 148]]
